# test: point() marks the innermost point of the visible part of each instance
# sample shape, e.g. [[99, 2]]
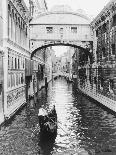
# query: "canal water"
[[83, 125]]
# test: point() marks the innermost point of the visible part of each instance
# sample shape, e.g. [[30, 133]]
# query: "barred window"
[[49, 29], [74, 29]]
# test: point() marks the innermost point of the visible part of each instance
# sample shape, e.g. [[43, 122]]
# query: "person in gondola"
[[53, 115], [42, 116]]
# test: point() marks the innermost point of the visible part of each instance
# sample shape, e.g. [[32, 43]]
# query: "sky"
[[59, 50], [91, 7]]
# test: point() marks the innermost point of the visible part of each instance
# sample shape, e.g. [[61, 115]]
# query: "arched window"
[[19, 24], [18, 63], [15, 63], [23, 63], [16, 18], [8, 61], [17, 79], [23, 26], [9, 8], [12, 62], [22, 78], [26, 30], [13, 13]]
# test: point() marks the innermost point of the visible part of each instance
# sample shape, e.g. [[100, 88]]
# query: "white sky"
[[91, 7], [59, 50]]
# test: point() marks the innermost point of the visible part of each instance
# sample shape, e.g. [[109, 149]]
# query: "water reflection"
[[82, 123]]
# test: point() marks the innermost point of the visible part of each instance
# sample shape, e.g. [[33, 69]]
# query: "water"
[[83, 125]]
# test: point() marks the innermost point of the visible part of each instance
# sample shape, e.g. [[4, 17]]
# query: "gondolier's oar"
[[61, 127]]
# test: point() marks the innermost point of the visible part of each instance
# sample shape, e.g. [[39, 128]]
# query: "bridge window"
[[49, 29], [61, 30], [74, 29]]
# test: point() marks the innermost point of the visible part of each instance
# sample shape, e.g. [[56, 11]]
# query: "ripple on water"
[[84, 126]]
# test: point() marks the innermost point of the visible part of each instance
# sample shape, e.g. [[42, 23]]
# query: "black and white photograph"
[[57, 77]]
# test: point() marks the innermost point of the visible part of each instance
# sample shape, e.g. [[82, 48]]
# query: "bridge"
[[60, 27]]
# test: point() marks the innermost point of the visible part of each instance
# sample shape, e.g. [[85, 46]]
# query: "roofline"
[[106, 7], [71, 13], [60, 24]]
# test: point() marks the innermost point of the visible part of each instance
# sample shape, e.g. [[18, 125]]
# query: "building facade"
[[16, 51], [101, 73]]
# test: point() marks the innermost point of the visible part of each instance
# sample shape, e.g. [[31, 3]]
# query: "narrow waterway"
[[83, 124]]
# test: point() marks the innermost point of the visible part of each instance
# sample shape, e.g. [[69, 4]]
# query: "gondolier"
[[48, 123]]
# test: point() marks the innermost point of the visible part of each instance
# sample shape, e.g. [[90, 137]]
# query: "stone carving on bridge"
[[55, 28], [43, 44]]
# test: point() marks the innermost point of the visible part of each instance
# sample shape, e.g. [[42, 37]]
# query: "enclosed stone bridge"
[[60, 27]]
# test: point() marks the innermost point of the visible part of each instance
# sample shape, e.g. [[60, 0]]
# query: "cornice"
[[106, 12], [68, 13], [17, 46], [21, 8]]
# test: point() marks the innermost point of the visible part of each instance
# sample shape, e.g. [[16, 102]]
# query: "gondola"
[[48, 124]]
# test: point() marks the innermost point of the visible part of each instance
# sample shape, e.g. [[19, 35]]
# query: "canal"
[[83, 125]]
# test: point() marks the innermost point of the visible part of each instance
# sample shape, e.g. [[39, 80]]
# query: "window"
[[96, 33], [9, 80], [104, 28], [22, 78], [95, 80], [23, 63], [8, 61], [101, 83], [16, 18], [12, 62], [15, 63], [111, 85], [61, 30], [113, 49], [114, 21], [9, 8], [17, 79], [74, 29], [49, 29], [103, 51], [18, 63]]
